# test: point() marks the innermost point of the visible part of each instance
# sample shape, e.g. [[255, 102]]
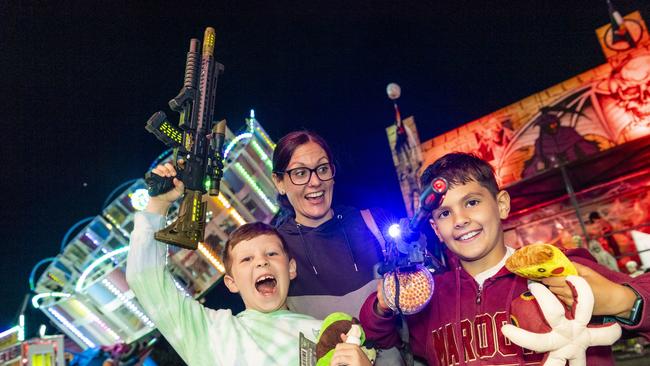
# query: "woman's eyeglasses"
[[301, 176]]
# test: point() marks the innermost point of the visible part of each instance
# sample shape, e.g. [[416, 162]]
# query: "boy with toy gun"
[[197, 141]]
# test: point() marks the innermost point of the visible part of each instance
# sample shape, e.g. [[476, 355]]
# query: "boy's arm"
[[182, 320], [380, 326], [615, 293]]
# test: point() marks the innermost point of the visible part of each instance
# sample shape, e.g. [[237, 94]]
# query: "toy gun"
[[408, 284], [197, 140]]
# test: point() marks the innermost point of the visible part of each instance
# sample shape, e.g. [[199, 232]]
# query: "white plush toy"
[[570, 336]]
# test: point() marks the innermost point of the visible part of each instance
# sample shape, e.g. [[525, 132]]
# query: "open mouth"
[[315, 196], [266, 284], [468, 235]]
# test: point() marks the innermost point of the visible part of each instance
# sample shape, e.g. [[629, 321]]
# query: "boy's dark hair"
[[461, 168], [248, 232]]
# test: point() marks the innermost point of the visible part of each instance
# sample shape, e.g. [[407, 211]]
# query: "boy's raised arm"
[[182, 320], [615, 293]]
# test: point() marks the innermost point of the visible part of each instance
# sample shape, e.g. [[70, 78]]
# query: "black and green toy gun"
[[197, 140]]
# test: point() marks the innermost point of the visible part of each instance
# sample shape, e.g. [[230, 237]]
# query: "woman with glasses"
[[337, 249]]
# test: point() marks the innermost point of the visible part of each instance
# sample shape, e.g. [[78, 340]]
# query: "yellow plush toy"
[[537, 261]]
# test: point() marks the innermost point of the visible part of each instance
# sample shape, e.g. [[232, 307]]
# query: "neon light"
[[265, 137], [129, 304], [37, 297], [252, 114], [245, 135], [66, 323], [41, 330], [237, 216], [139, 199], [92, 316], [79, 287], [33, 273], [180, 287], [54, 278], [240, 169], [223, 200], [10, 331], [211, 258], [262, 154], [231, 210], [21, 327]]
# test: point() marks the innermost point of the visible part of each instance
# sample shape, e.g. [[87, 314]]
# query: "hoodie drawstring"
[[520, 351], [308, 247], [459, 339], [307, 250], [347, 241]]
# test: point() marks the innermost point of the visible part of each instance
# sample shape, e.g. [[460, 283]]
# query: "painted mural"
[[591, 112]]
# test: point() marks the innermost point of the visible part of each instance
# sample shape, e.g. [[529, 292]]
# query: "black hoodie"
[[336, 262]]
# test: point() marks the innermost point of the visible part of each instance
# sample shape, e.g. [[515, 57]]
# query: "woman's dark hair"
[[284, 151]]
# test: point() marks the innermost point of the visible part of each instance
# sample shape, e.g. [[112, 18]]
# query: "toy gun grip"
[[157, 185]]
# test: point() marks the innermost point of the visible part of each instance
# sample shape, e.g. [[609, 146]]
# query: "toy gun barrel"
[[430, 199], [207, 90], [185, 100]]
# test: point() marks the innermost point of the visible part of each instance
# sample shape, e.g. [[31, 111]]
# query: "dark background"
[[80, 79]]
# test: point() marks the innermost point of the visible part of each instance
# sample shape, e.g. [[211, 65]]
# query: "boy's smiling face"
[[468, 221], [260, 272]]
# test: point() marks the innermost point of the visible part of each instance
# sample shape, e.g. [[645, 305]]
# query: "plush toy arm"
[[550, 305], [568, 338], [604, 335], [533, 341]]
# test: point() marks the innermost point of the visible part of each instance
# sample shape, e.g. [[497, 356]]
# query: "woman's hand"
[[160, 204], [610, 298]]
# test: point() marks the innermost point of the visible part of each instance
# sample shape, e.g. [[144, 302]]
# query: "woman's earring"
[[282, 193]]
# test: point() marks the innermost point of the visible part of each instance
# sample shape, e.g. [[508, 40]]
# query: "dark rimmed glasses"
[[301, 176]]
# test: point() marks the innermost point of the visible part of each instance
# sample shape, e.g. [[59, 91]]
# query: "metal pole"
[[574, 200]]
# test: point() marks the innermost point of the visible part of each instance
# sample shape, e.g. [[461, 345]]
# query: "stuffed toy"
[[333, 326], [537, 261], [543, 322]]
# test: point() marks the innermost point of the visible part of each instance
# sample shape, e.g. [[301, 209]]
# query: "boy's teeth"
[[469, 235], [265, 278]]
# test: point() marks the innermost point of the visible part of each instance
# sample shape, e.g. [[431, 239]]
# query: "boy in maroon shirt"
[[462, 322]]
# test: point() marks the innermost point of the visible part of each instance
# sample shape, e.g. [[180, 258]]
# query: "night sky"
[[80, 79]]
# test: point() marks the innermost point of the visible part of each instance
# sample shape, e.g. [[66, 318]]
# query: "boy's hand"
[[160, 204], [381, 308], [350, 355], [610, 298]]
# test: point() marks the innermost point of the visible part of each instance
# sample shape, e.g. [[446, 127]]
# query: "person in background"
[[337, 249], [603, 229]]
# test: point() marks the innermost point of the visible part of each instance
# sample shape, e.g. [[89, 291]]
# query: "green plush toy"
[[330, 335]]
